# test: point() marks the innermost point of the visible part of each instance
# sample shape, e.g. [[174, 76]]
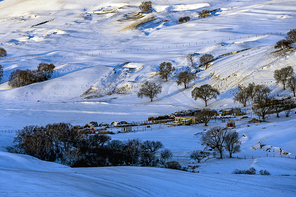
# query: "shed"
[[230, 124], [126, 129]]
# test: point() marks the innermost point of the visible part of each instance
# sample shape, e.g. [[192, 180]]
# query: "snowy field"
[[94, 43]]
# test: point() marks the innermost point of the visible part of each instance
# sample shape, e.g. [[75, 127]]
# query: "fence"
[[9, 131], [273, 155], [141, 128], [106, 52]]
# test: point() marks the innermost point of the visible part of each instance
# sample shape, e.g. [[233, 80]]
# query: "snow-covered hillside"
[[104, 50], [90, 43]]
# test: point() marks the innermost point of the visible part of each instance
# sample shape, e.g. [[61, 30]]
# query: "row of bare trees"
[[263, 103], [218, 139], [205, 92], [62, 142], [20, 78]]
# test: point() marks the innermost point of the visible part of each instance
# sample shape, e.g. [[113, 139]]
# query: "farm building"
[[185, 120], [230, 111], [126, 129]]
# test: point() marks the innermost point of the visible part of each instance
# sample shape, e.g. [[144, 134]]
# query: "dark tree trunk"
[[221, 153]]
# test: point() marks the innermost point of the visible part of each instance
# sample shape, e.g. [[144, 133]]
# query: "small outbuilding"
[[126, 129], [230, 124]]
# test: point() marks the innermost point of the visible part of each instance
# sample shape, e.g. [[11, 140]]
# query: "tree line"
[[20, 78], [263, 103], [63, 143]]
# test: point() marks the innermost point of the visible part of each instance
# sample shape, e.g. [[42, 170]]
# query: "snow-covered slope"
[[78, 35], [104, 50]]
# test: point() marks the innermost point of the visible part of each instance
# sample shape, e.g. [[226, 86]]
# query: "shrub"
[[282, 44], [204, 13], [3, 52], [264, 172], [146, 7], [199, 155], [173, 165], [1, 72], [252, 170], [184, 19]]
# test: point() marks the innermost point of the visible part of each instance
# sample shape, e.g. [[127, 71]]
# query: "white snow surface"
[[94, 44]]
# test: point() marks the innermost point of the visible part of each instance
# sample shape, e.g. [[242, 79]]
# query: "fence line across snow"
[[9, 131], [105, 52]]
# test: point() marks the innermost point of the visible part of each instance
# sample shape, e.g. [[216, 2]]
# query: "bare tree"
[[149, 149], [132, 151], [283, 75], [251, 90], [199, 155], [190, 59], [150, 90], [277, 107], [247, 93], [1, 72], [152, 146], [146, 6], [206, 59], [215, 138], [185, 78], [291, 35], [232, 142], [288, 106], [262, 103], [205, 115], [242, 96], [165, 155], [205, 92], [292, 85], [164, 70]]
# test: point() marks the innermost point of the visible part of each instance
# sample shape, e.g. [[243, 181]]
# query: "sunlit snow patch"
[[184, 7], [109, 8], [133, 67]]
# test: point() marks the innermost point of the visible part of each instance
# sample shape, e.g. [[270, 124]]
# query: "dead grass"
[[138, 23]]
